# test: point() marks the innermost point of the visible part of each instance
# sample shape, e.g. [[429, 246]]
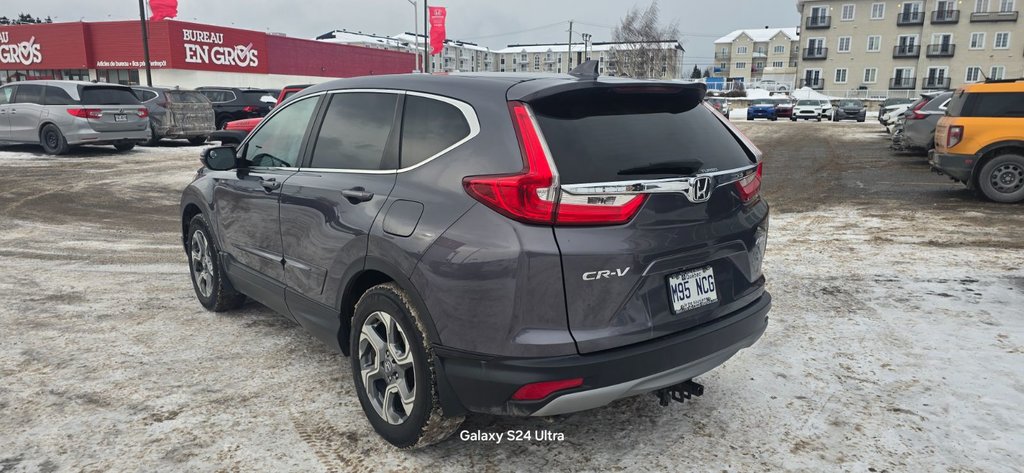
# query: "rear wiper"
[[668, 167]]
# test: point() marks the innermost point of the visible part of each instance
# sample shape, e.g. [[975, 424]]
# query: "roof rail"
[[1003, 81], [588, 70]]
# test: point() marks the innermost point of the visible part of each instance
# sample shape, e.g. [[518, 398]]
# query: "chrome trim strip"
[[680, 185]]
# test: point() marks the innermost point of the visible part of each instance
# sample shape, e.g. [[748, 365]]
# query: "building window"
[[848, 12], [980, 6], [997, 73], [741, 50], [780, 49], [977, 40], [844, 44], [1006, 6], [778, 64], [723, 66], [877, 11], [524, 58], [118, 76], [1002, 40], [741, 65], [870, 75], [973, 74], [874, 44], [841, 76]]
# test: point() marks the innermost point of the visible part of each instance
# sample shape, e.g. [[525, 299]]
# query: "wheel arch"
[[991, 151], [187, 214], [42, 124]]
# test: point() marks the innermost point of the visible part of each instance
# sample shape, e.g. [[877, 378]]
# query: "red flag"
[[437, 33], [163, 9]]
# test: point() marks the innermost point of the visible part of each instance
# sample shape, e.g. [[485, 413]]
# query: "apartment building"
[[758, 54], [457, 56], [561, 58], [910, 45]]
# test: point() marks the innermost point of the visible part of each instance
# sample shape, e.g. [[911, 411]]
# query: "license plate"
[[120, 118], [692, 289]]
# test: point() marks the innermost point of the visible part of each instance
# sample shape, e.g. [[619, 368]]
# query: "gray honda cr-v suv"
[[503, 244]]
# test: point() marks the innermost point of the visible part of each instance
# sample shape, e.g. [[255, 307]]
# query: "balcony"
[[906, 51], [903, 83], [994, 16], [819, 22], [815, 54], [935, 83], [910, 18], [945, 17], [941, 50], [814, 83]]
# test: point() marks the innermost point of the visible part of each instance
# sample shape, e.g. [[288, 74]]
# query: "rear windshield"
[[808, 102], [762, 102], [999, 104], [100, 95], [186, 97], [600, 135], [254, 96]]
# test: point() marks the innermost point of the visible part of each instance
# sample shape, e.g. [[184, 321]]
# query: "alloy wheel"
[[202, 263], [386, 367]]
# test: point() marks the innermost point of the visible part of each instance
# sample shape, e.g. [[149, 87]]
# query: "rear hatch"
[[651, 203], [190, 111], [113, 108], [259, 102]]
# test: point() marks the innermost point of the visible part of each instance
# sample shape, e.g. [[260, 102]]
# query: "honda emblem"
[[700, 190]]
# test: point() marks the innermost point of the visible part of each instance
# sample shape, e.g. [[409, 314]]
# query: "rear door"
[[25, 113], [120, 107], [6, 103], [688, 256]]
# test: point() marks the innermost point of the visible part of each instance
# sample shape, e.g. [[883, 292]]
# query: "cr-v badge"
[[605, 274]]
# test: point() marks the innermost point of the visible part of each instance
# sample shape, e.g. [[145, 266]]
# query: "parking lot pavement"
[[895, 341]]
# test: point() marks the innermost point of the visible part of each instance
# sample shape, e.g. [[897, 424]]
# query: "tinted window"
[[428, 127], [108, 96], [355, 131], [278, 141], [602, 135], [186, 97], [29, 94], [808, 102], [851, 104], [7, 94], [145, 95], [254, 96], [56, 96], [218, 96], [1000, 104]]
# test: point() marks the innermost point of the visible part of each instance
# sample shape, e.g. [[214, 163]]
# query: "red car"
[[784, 107], [249, 124]]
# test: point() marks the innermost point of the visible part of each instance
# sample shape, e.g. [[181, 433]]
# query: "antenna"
[[586, 71]]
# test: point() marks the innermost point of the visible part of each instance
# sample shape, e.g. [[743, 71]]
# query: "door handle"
[[270, 184], [357, 195]]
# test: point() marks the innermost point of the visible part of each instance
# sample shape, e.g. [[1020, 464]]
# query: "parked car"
[[827, 110], [893, 114], [784, 107], [807, 109], [483, 257], [246, 125], [61, 114], [980, 141], [722, 105], [920, 122], [233, 103], [850, 110], [177, 113], [769, 85], [762, 108]]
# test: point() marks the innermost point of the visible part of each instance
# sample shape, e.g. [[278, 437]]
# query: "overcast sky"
[[490, 23]]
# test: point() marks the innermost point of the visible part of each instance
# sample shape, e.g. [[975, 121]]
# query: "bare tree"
[[641, 53]]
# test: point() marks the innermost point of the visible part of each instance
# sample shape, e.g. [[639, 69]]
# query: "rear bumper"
[[107, 137], [957, 166], [485, 384]]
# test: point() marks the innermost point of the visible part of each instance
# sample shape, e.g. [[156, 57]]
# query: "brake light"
[[249, 109], [142, 112], [954, 136], [915, 114], [532, 195], [750, 186], [538, 391], [91, 113]]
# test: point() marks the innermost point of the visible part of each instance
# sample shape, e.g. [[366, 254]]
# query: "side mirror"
[[220, 158]]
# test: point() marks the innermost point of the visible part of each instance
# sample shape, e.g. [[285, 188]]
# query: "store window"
[[118, 76]]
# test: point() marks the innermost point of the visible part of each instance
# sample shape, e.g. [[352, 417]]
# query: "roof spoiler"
[[586, 71]]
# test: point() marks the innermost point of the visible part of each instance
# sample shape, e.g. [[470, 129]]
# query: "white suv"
[[807, 110]]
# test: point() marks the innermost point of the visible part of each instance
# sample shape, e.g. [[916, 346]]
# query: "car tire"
[[212, 287], [124, 147], [727, 116], [154, 139], [1002, 178], [389, 345], [774, 119], [819, 118], [53, 141], [197, 140], [793, 119], [749, 119]]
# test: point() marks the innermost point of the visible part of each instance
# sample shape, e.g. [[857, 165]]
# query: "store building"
[[183, 54]]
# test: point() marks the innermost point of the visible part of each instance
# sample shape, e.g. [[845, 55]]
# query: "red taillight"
[[142, 112], [86, 112], [915, 114], [750, 186], [954, 136], [249, 109], [538, 391], [532, 195]]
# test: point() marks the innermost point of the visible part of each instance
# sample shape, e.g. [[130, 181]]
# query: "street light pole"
[[416, 32], [145, 42], [426, 37]]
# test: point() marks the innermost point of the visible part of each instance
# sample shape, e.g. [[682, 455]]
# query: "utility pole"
[[426, 38], [568, 66], [145, 42]]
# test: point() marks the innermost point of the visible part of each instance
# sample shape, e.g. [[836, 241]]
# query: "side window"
[[57, 96], [278, 141], [429, 127], [355, 131], [215, 96], [144, 95], [29, 94], [7, 94]]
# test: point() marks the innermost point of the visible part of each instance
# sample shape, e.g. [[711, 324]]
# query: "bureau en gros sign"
[[204, 47], [25, 53]]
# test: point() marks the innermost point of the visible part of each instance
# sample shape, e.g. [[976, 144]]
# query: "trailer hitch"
[[679, 392]]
